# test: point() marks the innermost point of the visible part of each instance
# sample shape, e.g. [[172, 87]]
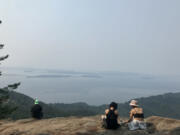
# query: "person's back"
[[36, 111], [111, 120], [136, 120], [137, 114]]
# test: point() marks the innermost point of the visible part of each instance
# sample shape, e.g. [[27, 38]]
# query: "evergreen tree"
[[5, 108]]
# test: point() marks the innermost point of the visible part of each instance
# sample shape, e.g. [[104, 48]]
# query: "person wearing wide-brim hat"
[[136, 120]]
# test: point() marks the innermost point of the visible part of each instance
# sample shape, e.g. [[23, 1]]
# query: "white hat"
[[134, 103]]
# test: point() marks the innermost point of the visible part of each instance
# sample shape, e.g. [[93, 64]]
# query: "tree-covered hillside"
[[24, 104], [167, 105]]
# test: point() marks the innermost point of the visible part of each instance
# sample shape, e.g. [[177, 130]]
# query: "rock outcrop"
[[85, 126]]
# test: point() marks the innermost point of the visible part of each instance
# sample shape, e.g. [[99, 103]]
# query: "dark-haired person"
[[110, 119], [136, 120], [36, 110]]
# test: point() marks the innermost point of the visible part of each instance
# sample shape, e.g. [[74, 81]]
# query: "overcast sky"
[[92, 35]]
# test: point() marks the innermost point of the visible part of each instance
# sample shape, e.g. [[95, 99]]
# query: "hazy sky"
[[123, 35]]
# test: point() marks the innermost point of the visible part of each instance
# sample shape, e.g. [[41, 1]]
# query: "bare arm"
[[130, 116], [106, 111]]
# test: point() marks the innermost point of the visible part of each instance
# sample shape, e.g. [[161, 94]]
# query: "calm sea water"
[[93, 88]]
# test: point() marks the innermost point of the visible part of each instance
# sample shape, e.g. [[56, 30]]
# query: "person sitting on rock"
[[36, 110], [110, 119], [136, 120]]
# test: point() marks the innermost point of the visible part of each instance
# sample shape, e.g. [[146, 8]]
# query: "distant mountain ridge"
[[166, 105]]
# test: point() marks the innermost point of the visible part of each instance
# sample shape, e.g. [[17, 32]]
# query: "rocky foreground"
[[85, 126]]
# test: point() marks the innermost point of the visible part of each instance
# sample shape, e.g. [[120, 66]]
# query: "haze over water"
[[52, 86]]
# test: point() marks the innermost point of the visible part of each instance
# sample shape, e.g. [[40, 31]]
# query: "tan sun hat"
[[134, 103]]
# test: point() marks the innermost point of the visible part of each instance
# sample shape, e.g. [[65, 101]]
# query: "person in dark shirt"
[[110, 119], [36, 110]]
